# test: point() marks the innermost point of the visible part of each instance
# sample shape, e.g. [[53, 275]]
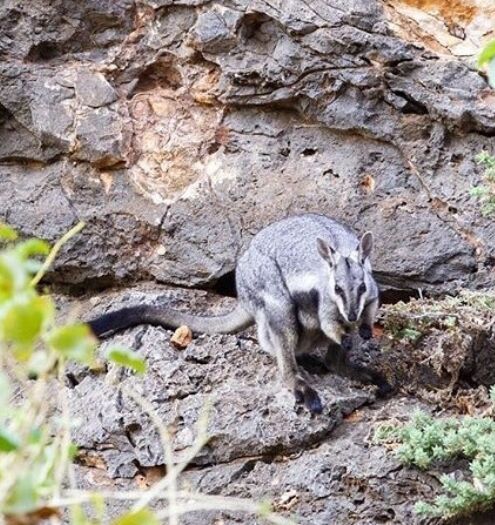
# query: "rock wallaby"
[[306, 282]]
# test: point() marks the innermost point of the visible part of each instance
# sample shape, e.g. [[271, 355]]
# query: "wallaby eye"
[[338, 290], [361, 289]]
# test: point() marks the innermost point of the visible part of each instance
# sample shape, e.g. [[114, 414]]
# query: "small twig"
[[54, 251], [190, 502], [166, 439], [173, 470], [65, 442]]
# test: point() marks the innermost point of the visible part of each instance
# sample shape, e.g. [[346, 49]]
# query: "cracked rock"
[[100, 138], [93, 89], [222, 117], [249, 412]]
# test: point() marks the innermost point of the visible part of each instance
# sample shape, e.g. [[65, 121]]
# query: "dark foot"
[[366, 375], [346, 342], [307, 395], [365, 332], [384, 388]]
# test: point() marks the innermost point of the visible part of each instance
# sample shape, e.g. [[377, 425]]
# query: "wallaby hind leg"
[[278, 335], [309, 352], [338, 359]]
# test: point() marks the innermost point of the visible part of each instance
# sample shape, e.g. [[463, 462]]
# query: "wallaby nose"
[[352, 317]]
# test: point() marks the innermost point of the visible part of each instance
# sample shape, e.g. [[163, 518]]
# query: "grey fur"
[[305, 281], [287, 280]]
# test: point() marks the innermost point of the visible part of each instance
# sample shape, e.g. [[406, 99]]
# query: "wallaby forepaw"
[[346, 342], [365, 332], [384, 387], [307, 395]]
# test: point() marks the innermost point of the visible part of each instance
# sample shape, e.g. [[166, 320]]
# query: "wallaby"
[[305, 281]]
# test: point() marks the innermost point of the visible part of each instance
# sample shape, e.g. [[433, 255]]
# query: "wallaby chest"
[[305, 294]]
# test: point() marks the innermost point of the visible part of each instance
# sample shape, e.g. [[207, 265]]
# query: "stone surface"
[[219, 118], [343, 479], [319, 470], [453, 28], [121, 227], [261, 445], [94, 90], [251, 414]]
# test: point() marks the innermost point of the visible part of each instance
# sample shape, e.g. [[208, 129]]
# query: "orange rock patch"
[[456, 11]]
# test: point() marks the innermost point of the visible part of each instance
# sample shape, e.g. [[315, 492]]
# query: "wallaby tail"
[[112, 322]]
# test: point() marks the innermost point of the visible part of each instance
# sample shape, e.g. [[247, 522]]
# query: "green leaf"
[[487, 54], [127, 358], [39, 363], [7, 233], [265, 508], [99, 506], [491, 72], [23, 498], [78, 517], [8, 442], [74, 342], [478, 191], [32, 247], [450, 321], [488, 208], [72, 451], [411, 334], [139, 517], [424, 509], [492, 394], [35, 436], [22, 322], [13, 275]]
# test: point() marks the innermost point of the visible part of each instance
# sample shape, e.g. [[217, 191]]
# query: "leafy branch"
[[36, 453], [485, 192]]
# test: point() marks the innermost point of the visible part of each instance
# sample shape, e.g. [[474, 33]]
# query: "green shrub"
[[486, 192], [425, 441]]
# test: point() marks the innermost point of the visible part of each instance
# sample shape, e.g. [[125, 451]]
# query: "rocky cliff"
[[176, 130]]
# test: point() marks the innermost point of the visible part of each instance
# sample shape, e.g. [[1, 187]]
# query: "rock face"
[[176, 130], [320, 470], [261, 446], [229, 373]]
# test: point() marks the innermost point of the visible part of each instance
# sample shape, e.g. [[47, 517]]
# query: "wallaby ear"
[[326, 251], [365, 246]]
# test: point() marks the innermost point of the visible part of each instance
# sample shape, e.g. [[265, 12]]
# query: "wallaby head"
[[349, 277]]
